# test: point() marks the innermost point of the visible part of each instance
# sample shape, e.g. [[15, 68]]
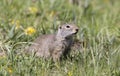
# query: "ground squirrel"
[[54, 45]]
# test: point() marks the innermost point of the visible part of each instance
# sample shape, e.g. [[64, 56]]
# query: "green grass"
[[99, 24]]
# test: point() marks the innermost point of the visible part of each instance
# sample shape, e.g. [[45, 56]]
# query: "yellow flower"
[[33, 10], [16, 23], [10, 70], [29, 31], [70, 73]]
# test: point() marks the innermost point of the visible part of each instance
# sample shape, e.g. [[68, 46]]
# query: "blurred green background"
[[21, 21]]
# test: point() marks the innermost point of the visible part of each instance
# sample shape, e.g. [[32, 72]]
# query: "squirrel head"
[[67, 30]]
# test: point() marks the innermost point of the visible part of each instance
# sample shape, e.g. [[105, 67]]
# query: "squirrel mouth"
[[76, 31]]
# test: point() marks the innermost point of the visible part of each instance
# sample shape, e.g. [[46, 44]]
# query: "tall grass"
[[99, 25]]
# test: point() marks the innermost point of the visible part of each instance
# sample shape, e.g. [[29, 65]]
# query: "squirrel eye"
[[68, 26]]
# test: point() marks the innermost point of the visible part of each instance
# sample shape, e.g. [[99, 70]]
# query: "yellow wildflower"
[[16, 23], [10, 70], [70, 73], [33, 10], [29, 31]]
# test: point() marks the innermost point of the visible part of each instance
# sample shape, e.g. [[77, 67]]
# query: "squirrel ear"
[[60, 27]]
